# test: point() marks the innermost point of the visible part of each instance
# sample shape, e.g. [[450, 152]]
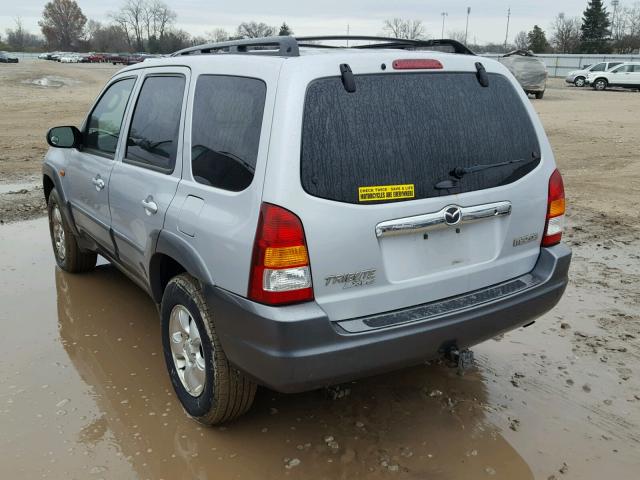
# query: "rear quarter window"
[[413, 129], [227, 121]]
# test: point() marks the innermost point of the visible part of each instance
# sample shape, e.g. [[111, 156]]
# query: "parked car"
[[96, 57], [625, 75], [43, 56], [579, 77], [70, 58], [8, 58], [321, 215], [529, 70]]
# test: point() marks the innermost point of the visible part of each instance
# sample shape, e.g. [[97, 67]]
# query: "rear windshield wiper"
[[459, 172]]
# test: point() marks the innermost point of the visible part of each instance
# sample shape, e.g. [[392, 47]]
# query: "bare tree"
[[218, 35], [161, 18], [108, 38], [521, 41], [19, 39], [16, 37], [62, 23], [131, 18], [407, 29], [145, 21], [255, 30], [565, 34], [626, 29], [457, 35]]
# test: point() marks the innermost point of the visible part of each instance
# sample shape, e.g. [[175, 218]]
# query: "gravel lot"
[[83, 388]]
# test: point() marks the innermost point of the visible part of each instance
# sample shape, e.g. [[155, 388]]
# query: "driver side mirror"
[[64, 137]]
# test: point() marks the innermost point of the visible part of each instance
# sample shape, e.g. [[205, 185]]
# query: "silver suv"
[[304, 216]]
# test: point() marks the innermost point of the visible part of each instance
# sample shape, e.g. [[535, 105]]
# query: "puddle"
[[51, 81], [84, 392]]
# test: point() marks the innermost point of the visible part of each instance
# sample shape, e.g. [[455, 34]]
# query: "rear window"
[[407, 132]]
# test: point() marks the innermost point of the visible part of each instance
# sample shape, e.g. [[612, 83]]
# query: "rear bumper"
[[297, 348]]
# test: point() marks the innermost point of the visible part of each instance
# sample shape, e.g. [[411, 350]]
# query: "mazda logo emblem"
[[452, 215]]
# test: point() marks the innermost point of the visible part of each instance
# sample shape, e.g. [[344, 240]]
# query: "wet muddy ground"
[[84, 392]]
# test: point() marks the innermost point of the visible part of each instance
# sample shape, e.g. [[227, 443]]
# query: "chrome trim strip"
[[436, 220]]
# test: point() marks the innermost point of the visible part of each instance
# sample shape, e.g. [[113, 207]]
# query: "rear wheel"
[[209, 388], [68, 254], [579, 82], [539, 95], [600, 84]]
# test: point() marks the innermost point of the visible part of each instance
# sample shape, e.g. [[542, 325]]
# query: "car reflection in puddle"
[[420, 422]]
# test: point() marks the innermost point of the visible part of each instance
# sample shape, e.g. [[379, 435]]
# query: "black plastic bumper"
[[297, 348]]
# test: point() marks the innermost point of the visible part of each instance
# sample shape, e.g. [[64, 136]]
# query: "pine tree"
[[537, 40], [595, 28], [285, 30]]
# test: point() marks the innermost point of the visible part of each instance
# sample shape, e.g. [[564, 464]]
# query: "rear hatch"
[[393, 189]]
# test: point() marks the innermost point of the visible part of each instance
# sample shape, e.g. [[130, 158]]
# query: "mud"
[[84, 393]]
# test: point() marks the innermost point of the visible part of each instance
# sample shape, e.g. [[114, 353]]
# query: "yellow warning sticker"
[[386, 192]]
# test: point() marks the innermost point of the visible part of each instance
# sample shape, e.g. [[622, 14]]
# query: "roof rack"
[[287, 46], [283, 46], [386, 42]]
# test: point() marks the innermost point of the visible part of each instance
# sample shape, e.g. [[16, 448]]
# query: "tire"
[[539, 95], [600, 84], [66, 251], [579, 82], [219, 392]]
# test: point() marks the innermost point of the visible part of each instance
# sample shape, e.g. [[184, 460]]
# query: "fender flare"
[[175, 247], [50, 172]]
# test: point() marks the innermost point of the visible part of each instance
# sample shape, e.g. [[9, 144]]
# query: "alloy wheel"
[[186, 350], [58, 233]]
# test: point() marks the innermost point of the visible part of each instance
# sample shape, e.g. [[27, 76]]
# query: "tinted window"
[[103, 127], [613, 64], [227, 119], [413, 129], [624, 69], [599, 67], [153, 136]]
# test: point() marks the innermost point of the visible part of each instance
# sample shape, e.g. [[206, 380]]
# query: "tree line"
[[150, 26], [597, 31], [137, 26]]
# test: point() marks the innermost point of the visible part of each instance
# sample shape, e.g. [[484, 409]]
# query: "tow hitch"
[[461, 359]]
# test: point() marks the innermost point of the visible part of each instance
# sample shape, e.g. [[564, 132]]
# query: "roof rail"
[[283, 46], [386, 42], [287, 46]]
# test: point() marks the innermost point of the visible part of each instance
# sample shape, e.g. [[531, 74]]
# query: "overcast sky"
[[487, 21]]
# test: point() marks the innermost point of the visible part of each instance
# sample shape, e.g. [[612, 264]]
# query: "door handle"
[[98, 182], [150, 207]]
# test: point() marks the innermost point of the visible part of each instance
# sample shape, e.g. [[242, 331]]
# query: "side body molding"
[[174, 246]]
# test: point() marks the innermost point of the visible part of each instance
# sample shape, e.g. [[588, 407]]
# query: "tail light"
[[280, 270], [555, 211]]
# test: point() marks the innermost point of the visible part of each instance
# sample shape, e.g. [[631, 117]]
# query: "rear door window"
[[408, 132], [227, 121], [153, 136]]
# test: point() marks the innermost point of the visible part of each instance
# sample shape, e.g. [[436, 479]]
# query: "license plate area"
[[406, 257]]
